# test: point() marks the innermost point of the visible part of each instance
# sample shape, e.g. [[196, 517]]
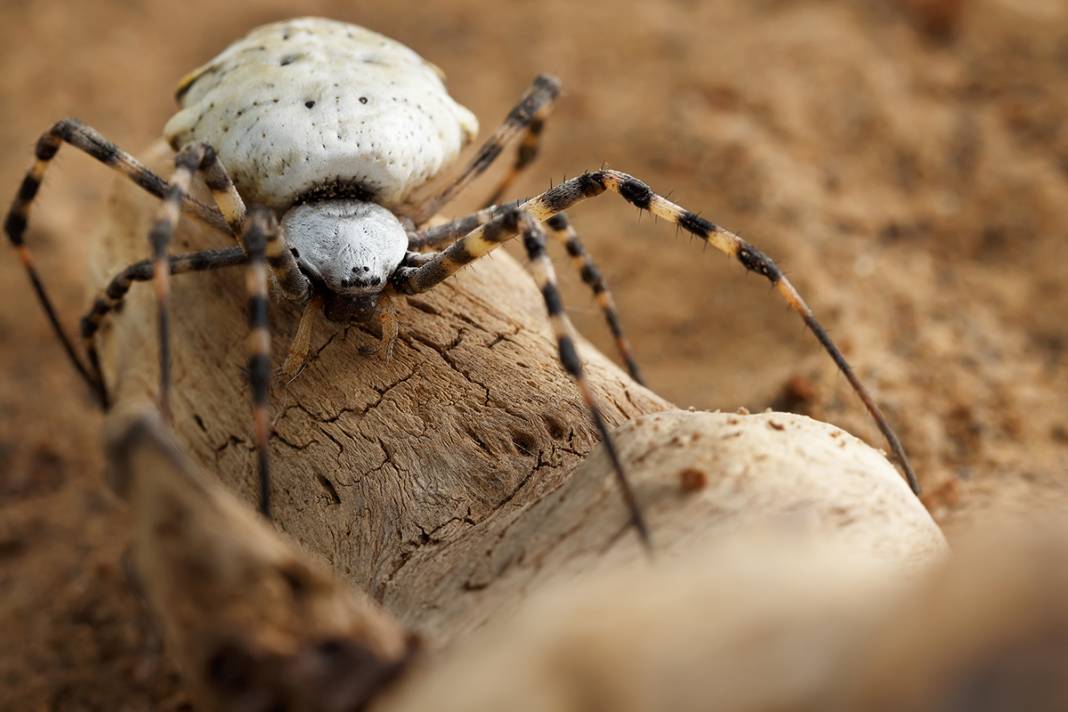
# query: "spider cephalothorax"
[[348, 249], [327, 131]]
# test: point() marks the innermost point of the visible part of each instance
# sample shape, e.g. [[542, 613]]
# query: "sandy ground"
[[905, 162]]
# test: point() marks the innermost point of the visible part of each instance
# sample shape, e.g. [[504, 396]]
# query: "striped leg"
[[531, 109], [525, 154], [89, 141], [281, 261], [223, 192], [191, 159], [560, 228], [110, 299], [186, 163], [283, 264], [294, 285], [447, 232], [261, 228], [488, 237], [545, 277]]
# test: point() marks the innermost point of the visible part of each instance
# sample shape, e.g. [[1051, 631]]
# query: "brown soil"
[[906, 162]]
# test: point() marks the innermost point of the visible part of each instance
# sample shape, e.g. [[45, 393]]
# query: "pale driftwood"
[[447, 482], [281, 629], [987, 631], [778, 617], [377, 465], [766, 619]]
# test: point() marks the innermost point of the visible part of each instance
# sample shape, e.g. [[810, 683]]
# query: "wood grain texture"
[[463, 476]]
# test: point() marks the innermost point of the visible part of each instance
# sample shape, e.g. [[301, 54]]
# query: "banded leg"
[[283, 264], [560, 228], [488, 237], [545, 277], [281, 261], [223, 192], [232, 207], [449, 231], [260, 228], [111, 298], [89, 141], [190, 160], [532, 108], [525, 154], [186, 163]]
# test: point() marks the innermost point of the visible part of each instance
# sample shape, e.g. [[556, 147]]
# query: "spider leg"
[[283, 264], [261, 229], [525, 154], [89, 141], [260, 238], [194, 158], [531, 109], [484, 239], [510, 223], [111, 298], [562, 231], [449, 231], [545, 277], [560, 228], [188, 161], [294, 285]]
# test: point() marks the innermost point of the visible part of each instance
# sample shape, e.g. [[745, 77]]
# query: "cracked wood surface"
[[283, 631], [376, 464], [456, 480]]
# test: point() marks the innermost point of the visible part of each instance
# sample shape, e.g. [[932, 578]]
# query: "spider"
[[325, 130]]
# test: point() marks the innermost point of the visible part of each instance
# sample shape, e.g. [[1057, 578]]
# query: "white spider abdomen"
[[324, 107]]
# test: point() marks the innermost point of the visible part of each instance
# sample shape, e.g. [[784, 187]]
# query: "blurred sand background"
[[906, 162]]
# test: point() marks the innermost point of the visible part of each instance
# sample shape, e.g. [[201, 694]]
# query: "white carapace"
[[339, 121], [349, 245]]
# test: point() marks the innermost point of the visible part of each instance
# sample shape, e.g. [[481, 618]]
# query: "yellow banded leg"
[[110, 299], [449, 231], [186, 163], [294, 285], [525, 154], [259, 225], [545, 277], [486, 238], [533, 107], [281, 261], [89, 141], [223, 192], [562, 230]]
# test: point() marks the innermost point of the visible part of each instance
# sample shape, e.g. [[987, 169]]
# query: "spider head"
[[347, 247]]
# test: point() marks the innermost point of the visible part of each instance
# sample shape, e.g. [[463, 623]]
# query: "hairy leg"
[[562, 231], [484, 239], [531, 109], [111, 298]]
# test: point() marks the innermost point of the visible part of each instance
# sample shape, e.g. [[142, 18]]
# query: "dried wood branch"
[[458, 479]]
